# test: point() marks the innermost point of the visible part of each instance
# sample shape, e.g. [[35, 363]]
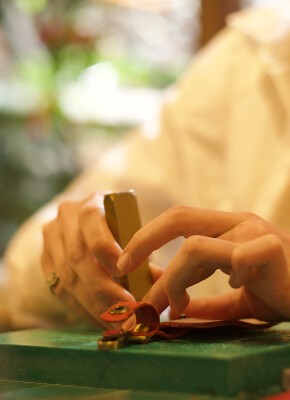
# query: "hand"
[[253, 252], [80, 249]]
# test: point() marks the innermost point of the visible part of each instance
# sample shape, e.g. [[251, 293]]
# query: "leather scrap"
[[147, 314]]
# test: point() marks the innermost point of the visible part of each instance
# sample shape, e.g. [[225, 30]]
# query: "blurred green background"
[[74, 76]]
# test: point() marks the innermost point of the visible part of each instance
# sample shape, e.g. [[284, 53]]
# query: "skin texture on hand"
[[80, 248], [254, 253]]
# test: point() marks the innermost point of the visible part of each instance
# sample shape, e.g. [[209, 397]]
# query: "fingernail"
[[124, 262]]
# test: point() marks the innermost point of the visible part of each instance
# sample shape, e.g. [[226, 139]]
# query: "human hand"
[[80, 249], [253, 252]]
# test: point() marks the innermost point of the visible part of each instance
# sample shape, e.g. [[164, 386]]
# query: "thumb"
[[230, 305]]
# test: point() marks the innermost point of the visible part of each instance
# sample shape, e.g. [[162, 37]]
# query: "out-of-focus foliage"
[[32, 170], [32, 6]]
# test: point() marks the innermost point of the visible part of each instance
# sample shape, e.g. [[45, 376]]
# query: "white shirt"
[[221, 142]]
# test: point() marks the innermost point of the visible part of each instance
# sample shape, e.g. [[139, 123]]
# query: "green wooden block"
[[221, 361]]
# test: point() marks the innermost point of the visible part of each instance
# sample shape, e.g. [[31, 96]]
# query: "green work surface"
[[221, 361], [11, 390]]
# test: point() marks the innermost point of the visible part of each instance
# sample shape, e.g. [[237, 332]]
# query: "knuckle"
[[194, 244], [62, 208], [67, 277], [254, 225], [98, 289], [47, 229], [274, 243], [65, 207], [261, 227], [86, 212], [180, 218], [248, 215], [238, 257], [75, 253], [76, 248], [176, 211], [258, 224]]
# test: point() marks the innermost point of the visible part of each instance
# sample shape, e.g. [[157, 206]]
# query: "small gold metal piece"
[[114, 342], [119, 310], [52, 279], [139, 339], [104, 344], [142, 328], [124, 338], [182, 316]]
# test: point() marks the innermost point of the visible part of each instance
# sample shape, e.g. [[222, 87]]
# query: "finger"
[[53, 243], [46, 263], [64, 295], [68, 216], [57, 263], [74, 292], [69, 287], [157, 296], [261, 266], [249, 229], [76, 297], [175, 222], [196, 260], [265, 252], [72, 303], [98, 236], [156, 272], [226, 306], [53, 258], [98, 283]]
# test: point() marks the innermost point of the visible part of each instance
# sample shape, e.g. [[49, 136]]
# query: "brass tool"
[[125, 338], [123, 219]]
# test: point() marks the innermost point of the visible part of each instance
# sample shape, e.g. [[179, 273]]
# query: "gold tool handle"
[[123, 219]]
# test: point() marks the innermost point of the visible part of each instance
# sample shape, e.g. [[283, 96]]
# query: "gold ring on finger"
[[52, 280]]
